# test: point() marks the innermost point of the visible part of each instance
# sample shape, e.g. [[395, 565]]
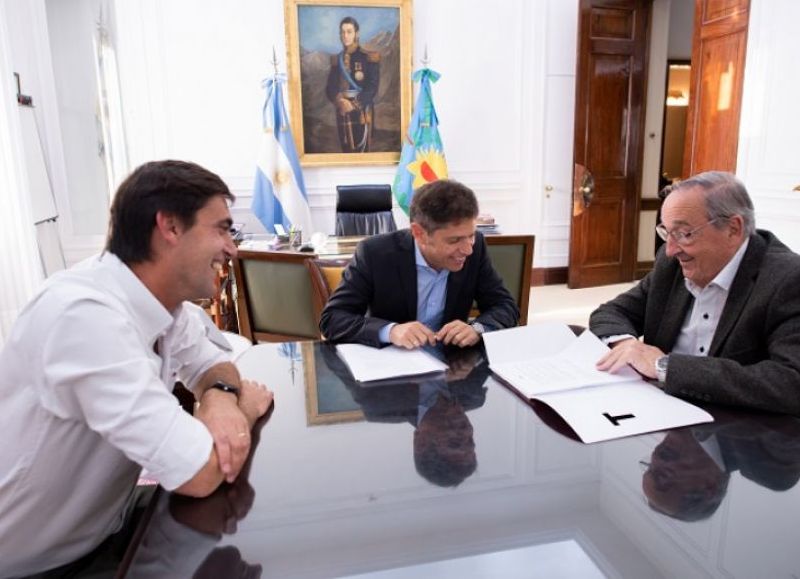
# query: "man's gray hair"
[[725, 196]]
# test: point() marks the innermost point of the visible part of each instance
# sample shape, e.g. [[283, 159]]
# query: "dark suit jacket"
[[754, 358], [379, 286]]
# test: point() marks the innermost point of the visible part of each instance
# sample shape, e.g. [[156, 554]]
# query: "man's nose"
[[230, 248], [672, 247], [466, 246]]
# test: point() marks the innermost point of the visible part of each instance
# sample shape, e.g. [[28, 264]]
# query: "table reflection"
[[184, 533], [688, 473], [335, 499], [443, 441]]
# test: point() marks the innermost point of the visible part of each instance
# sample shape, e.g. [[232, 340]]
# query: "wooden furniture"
[[273, 296], [325, 275], [512, 257], [280, 295]]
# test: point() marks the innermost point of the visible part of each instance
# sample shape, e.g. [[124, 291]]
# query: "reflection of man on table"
[[416, 286], [444, 446], [182, 538], [720, 312], [87, 373], [352, 86], [688, 473]]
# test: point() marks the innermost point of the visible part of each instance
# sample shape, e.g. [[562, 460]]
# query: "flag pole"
[[274, 61]]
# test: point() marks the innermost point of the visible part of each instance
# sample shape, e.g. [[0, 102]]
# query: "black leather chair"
[[364, 210]]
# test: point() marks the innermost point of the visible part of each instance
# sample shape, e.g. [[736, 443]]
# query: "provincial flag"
[[279, 193], [422, 158]]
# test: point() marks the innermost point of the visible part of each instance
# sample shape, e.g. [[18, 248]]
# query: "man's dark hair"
[[349, 20], [441, 203], [174, 187]]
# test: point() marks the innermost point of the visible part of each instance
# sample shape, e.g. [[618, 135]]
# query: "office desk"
[[333, 490], [274, 291]]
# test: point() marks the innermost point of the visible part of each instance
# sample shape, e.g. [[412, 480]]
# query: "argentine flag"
[[279, 193], [422, 158]]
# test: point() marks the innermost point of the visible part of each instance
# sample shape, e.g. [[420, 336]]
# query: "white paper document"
[[545, 364], [367, 364]]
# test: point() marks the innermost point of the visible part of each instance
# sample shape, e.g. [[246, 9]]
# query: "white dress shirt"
[[703, 318], [86, 403]]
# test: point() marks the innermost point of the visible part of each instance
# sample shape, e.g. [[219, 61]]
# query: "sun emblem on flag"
[[429, 165], [282, 177]]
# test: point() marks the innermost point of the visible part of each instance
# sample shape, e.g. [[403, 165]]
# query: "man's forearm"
[[223, 372]]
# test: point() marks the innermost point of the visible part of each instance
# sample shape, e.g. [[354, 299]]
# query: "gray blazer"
[[754, 358], [379, 286]]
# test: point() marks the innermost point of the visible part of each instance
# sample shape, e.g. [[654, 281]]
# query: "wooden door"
[[609, 123], [719, 44]]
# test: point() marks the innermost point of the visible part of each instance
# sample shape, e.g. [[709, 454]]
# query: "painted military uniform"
[[354, 77]]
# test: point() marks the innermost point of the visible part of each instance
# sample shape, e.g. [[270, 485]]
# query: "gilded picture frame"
[[349, 101], [328, 400]]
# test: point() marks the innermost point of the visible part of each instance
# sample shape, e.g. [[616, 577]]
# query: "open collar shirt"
[[86, 378], [431, 295], [703, 317]]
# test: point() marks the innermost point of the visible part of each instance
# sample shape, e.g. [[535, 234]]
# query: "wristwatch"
[[225, 387], [478, 327], [661, 369]]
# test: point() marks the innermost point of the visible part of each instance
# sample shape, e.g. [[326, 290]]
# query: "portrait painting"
[[349, 75]]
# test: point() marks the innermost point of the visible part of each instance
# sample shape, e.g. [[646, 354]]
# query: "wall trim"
[[643, 268], [548, 276], [648, 204]]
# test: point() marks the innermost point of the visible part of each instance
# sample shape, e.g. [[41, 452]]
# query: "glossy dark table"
[[333, 488]]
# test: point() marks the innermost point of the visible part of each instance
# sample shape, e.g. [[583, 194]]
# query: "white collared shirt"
[[86, 403], [702, 319]]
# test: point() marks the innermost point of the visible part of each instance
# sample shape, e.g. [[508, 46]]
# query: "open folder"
[[547, 362]]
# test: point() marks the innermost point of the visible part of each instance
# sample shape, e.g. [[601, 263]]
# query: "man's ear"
[[736, 224], [418, 232], [168, 226]]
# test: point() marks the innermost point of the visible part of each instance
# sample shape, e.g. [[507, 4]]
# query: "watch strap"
[[225, 387]]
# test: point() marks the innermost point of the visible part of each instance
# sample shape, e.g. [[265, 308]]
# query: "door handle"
[[582, 189], [587, 188]]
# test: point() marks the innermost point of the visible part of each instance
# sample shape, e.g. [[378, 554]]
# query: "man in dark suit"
[[416, 286], [720, 312]]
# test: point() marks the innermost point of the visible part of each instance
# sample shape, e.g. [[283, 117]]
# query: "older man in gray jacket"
[[720, 312]]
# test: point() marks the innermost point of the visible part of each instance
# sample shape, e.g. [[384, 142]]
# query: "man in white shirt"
[[86, 376], [719, 315]]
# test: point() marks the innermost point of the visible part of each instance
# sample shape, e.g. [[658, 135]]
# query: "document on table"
[[550, 364], [368, 364]]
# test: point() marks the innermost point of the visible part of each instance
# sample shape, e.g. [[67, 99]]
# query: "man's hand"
[[411, 335], [459, 334], [631, 352], [254, 400], [229, 428], [344, 105]]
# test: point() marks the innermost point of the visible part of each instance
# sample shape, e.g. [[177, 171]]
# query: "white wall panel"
[[768, 144]]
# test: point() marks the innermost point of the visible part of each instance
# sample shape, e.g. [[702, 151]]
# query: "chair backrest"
[[325, 277], [512, 258], [364, 210], [274, 296]]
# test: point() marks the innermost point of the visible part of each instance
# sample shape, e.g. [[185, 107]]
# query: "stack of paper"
[[368, 364], [547, 362]]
